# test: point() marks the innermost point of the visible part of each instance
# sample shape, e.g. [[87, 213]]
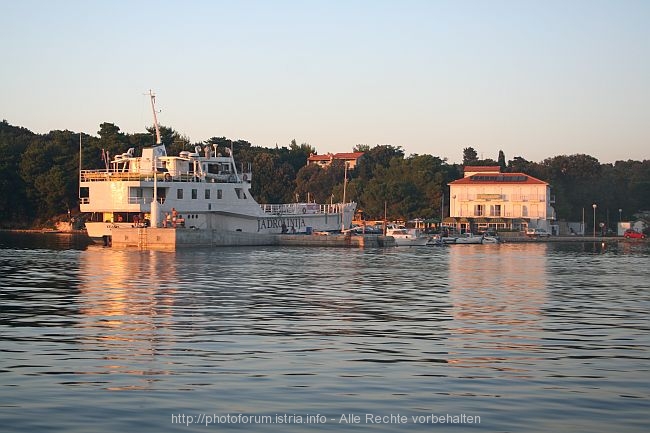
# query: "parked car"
[[537, 233], [633, 234]]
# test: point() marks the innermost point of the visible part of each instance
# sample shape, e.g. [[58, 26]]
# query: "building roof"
[[500, 178], [332, 156], [348, 155], [325, 157]]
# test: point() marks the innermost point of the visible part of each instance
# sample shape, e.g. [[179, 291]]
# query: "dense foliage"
[[39, 176]]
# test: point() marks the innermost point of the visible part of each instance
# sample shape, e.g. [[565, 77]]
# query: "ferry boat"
[[201, 190]]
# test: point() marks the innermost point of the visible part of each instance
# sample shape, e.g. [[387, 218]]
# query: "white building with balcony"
[[485, 199]]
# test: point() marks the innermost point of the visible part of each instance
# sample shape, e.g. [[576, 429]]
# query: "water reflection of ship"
[[125, 305], [497, 295]]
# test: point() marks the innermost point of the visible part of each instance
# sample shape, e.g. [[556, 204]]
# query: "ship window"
[[219, 194], [240, 193], [195, 194], [135, 195], [179, 194], [207, 194]]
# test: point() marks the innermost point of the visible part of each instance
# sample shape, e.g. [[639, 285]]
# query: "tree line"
[[39, 176]]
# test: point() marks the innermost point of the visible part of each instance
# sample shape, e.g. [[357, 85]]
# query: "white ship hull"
[[264, 224], [411, 242]]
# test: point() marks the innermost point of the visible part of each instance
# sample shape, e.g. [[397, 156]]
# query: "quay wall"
[[170, 239]]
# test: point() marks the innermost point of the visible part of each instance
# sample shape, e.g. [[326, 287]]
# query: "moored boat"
[[405, 237], [491, 239], [436, 241], [469, 238], [202, 190]]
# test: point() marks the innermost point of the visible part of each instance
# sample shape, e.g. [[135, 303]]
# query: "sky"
[[535, 79]]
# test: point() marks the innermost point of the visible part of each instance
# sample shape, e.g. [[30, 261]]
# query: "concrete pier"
[[357, 241], [170, 239]]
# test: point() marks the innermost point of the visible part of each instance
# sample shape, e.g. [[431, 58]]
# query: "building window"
[[195, 193], [179, 194], [495, 210], [207, 194], [479, 210]]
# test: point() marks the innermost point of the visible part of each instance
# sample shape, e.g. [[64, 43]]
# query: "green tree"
[[15, 208], [273, 181], [574, 179], [361, 148], [298, 155], [502, 161], [322, 184], [112, 140], [49, 169], [408, 188], [378, 157], [470, 157]]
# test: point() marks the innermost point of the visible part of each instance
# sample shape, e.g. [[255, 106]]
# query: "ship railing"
[[116, 175], [301, 208], [144, 200], [279, 209], [222, 178], [108, 175], [138, 200]]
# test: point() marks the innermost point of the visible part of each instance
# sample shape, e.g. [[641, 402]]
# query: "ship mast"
[[154, 201]]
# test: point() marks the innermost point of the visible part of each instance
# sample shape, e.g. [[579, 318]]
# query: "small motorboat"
[[436, 241], [469, 238], [407, 238]]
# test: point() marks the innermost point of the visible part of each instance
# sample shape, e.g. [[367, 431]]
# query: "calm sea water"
[[497, 338]]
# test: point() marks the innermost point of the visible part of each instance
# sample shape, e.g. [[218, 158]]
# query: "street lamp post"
[[442, 208], [452, 207], [594, 206], [345, 183]]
